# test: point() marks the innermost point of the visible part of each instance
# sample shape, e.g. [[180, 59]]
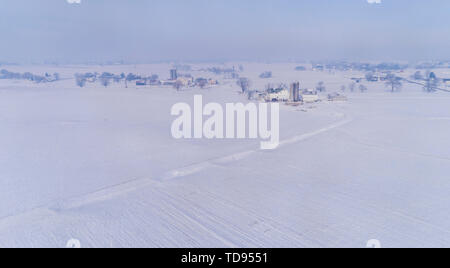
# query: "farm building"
[[336, 97], [309, 96], [279, 94]]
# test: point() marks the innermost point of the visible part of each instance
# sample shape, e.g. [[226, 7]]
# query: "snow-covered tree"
[[321, 87], [178, 85], [105, 81], [352, 86], [80, 80], [393, 82], [244, 84], [431, 84]]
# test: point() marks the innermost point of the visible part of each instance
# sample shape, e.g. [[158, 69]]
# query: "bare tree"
[[321, 87], [393, 82], [105, 81], [244, 84], [431, 84], [130, 77], [430, 75], [80, 80], [201, 82], [251, 94], [352, 86], [178, 85], [117, 79]]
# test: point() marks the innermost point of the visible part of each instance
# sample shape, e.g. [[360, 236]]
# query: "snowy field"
[[100, 165]]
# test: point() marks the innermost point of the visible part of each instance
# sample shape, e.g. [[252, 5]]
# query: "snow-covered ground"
[[100, 165]]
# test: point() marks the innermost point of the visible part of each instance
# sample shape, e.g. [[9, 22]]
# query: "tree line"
[[106, 78], [5, 74]]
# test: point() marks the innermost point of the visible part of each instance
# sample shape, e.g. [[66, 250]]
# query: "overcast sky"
[[153, 30]]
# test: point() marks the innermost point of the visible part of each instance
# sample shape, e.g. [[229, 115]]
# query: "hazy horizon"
[[223, 30]]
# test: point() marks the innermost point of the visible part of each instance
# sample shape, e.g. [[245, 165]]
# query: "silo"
[[294, 95]]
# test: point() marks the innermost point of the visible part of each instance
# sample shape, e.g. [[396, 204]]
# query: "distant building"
[[201, 82], [141, 83], [266, 75], [446, 82], [357, 80], [154, 82], [319, 68], [213, 82], [259, 96], [168, 83], [185, 81], [173, 74], [336, 97], [309, 96], [279, 94]]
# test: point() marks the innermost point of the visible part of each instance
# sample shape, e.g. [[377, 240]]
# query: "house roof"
[[276, 90]]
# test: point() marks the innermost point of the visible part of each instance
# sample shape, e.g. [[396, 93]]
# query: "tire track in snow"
[[52, 208], [103, 194], [195, 168], [306, 136], [174, 202], [130, 186]]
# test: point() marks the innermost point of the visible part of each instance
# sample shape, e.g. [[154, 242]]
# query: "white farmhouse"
[[279, 94], [185, 81], [309, 96]]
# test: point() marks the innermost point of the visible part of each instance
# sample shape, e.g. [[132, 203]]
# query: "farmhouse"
[[279, 94], [309, 96], [185, 81]]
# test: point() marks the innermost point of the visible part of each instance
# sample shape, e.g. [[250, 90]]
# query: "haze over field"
[[203, 30]]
